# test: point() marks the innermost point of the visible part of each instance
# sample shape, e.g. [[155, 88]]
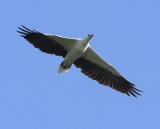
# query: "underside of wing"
[[51, 44], [96, 68]]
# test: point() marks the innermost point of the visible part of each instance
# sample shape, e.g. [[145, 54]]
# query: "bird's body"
[[79, 53], [74, 53]]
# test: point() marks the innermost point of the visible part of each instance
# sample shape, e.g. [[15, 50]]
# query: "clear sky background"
[[34, 96]]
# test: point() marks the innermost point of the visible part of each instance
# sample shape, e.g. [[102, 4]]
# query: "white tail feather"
[[61, 70]]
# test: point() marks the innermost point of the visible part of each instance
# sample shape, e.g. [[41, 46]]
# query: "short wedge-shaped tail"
[[62, 70], [64, 67]]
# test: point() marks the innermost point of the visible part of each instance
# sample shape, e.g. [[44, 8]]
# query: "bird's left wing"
[[52, 44], [96, 68]]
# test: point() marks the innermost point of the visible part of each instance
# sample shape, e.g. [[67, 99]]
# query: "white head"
[[90, 35], [87, 38]]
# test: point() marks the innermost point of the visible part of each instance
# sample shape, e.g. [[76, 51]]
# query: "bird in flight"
[[79, 52]]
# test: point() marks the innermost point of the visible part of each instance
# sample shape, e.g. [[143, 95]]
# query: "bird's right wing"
[[96, 68], [52, 44]]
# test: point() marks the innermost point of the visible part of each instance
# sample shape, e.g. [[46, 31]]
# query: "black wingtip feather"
[[27, 29], [21, 32]]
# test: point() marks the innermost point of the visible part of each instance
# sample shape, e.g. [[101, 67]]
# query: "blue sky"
[[34, 96]]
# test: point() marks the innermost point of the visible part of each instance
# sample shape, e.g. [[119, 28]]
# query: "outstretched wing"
[[96, 68], [52, 44]]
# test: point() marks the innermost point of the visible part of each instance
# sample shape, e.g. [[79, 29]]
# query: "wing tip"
[[25, 31], [133, 91]]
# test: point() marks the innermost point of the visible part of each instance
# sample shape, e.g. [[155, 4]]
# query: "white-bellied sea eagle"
[[79, 53]]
